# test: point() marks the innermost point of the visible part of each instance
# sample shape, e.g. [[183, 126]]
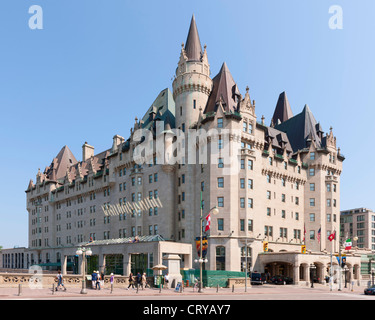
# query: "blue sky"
[[96, 65]]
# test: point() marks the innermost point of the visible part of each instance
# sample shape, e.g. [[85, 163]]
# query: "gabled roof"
[[300, 128], [283, 111], [193, 45], [224, 90]]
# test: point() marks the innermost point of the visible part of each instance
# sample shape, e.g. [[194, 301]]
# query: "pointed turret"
[[224, 90], [193, 47], [283, 111]]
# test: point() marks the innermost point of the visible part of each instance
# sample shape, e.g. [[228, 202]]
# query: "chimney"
[[117, 140], [87, 151]]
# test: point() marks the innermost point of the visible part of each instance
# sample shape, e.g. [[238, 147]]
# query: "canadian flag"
[[332, 236], [208, 222]]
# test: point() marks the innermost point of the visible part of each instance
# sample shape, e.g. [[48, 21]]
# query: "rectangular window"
[[242, 224], [242, 183], [312, 155], [220, 224], [250, 164], [220, 163], [242, 202], [312, 186], [250, 225], [220, 201], [312, 172], [220, 182], [312, 202], [250, 183], [250, 203], [220, 122]]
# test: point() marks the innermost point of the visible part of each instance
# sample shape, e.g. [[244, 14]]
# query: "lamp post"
[[215, 211], [372, 275], [84, 252]]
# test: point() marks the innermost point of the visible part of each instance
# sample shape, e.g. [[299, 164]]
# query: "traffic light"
[[303, 249], [265, 246]]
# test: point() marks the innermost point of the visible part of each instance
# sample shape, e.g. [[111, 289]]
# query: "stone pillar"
[[127, 264], [102, 263], [173, 271], [64, 264], [296, 273]]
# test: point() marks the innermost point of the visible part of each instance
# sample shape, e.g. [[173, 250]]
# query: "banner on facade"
[[204, 246]]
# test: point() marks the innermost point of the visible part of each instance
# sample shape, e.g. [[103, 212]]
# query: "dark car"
[[370, 290], [256, 278], [281, 280]]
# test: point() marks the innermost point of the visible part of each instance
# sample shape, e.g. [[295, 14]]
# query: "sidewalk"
[[189, 293]]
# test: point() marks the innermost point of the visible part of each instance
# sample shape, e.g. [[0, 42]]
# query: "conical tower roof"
[[283, 111], [193, 45], [225, 90]]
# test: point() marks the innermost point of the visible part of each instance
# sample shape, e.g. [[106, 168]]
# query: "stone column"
[[64, 264], [296, 273], [127, 264], [102, 263]]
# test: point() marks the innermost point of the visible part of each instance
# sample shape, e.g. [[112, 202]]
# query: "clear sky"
[[97, 64]]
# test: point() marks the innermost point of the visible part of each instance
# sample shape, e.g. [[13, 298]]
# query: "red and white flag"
[[332, 236], [208, 222]]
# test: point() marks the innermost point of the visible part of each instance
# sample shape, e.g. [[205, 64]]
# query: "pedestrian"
[[60, 281], [102, 280], [131, 281], [144, 281], [139, 280], [166, 280], [94, 276], [97, 280], [112, 279]]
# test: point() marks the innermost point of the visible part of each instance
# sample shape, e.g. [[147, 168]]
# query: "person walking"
[[144, 281], [139, 280], [166, 280], [131, 281], [97, 280], [93, 279], [60, 281]]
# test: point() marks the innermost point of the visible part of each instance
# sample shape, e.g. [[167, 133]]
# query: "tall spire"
[[193, 45], [283, 111]]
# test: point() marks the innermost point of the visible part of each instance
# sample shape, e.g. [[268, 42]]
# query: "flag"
[[332, 236], [348, 244], [208, 222], [319, 233], [304, 232]]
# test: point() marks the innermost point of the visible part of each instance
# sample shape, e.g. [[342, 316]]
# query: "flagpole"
[[201, 249]]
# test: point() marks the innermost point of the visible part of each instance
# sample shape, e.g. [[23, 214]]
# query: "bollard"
[[217, 288], [137, 287], [19, 289], [233, 288], [159, 288], [111, 287], [53, 288]]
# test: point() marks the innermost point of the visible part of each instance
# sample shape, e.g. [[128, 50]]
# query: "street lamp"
[[84, 252], [372, 275], [214, 211], [312, 267]]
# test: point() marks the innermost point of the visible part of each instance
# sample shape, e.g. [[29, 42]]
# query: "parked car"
[[370, 290], [256, 278], [281, 280]]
